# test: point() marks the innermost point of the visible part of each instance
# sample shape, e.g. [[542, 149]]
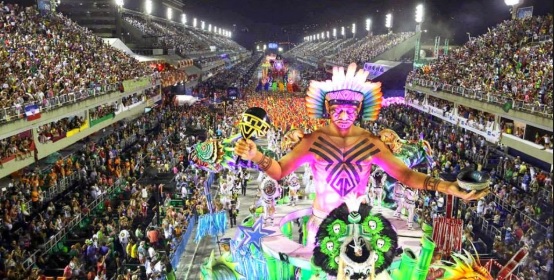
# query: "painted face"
[[343, 115]]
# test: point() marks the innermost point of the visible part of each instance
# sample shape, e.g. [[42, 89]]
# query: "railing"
[[176, 255], [13, 113], [491, 97]]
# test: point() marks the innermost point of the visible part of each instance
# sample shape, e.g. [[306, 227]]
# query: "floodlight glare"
[[119, 3], [183, 19], [511, 2], [280, 49], [210, 27], [230, 34], [353, 28], [194, 22], [317, 36], [148, 6], [328, 35], [342, 31], [169, 13], [322, 35], [334, 32], [419, 13], [202, 25], [368, 24], [388, 21]]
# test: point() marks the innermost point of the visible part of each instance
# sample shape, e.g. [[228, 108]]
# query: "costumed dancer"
[[398, 191], [270, 191], [410, 198], [378, 180], [293, 185], [225, 194]]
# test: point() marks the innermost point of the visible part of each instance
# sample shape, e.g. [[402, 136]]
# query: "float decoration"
[[221, 268], [353, 242], [253, 235], [465, 266]]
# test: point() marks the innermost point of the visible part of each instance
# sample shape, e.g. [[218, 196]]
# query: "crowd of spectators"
[[49, 55], [184, 40], [513, 61], [18, 146], [54, 131], [517, 210], [367, 48]]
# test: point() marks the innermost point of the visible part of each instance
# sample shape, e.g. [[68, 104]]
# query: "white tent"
[[118, 44]]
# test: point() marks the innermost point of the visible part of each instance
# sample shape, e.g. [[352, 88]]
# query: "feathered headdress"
[[345, 88]]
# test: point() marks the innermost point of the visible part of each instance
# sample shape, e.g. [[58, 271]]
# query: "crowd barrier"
[[180, 249]]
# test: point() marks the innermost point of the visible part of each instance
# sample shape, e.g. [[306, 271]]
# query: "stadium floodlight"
[[148, 7], [322, 35], [202, 25], [169, 13], [419, 13], [328, 35], [258, 47], [280, 49], [265, 47], [353, 28], [342, 31], [368, 25], [210, 27], [511, 2], [230, 34], [119, 3], [215, 29], [183, 18], [194, 22], [335, 33], [388, 21], [317, 36]]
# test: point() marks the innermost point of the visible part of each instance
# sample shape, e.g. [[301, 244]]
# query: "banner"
[[524, 12], [32, 112]]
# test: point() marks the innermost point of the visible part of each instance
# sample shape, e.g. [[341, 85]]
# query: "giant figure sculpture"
[[341, 153]]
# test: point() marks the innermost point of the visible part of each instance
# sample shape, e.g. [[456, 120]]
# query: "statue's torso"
[[342, 166]]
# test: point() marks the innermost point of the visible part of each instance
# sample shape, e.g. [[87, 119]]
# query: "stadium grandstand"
[[103, 103]]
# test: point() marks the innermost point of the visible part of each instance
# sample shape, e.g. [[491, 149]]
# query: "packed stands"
[[183, 39], [510, 63], [60, 63]]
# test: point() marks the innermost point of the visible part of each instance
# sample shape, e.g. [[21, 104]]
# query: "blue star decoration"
[[254, 234]]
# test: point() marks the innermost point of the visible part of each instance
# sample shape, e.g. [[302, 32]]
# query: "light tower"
[[388, 22], [419, 17], [514, 4]]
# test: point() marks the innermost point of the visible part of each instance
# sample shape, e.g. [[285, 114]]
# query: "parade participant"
[[270, 191], [293, 186], [378, 179], [341, 154]]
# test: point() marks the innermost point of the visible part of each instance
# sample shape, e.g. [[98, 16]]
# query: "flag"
[[32, 112], [507, 106]]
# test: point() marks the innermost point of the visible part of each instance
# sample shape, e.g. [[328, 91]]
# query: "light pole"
[[368, 26], [119, 4], [514, 4], [419, 17], [388, 22]]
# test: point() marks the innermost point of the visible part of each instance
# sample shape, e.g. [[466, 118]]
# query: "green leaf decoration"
[[380, 259], [381, 243], [337, 229], [372, 225], [329, 246]]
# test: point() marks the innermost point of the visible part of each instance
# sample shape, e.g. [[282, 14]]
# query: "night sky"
[[291, 20]]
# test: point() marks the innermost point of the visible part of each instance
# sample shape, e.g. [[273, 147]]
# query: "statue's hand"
[[456, 191], [246, 149]]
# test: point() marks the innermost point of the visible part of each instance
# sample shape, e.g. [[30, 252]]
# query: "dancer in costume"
[[293, 185], [405, 199], [341, 154], [378, 180], [270, 191]]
